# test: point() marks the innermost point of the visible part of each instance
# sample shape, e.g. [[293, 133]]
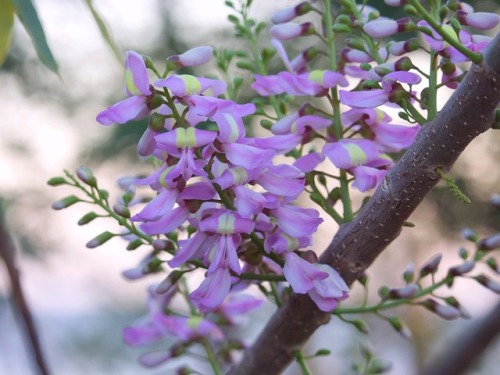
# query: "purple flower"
[[300, 273], [309, 162], [212, 291], [184, 85], [135, 107], [297, 221], [327, 293], [280, 242], [367, 177], [132, 108], [236, 307], [348, 153], [363, 99], [136, 75]]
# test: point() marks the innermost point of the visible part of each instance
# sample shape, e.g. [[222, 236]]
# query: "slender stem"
[[276, 295], [302, 363], [433, 88], [260, 277], [7, 252], [337, 121], [384, 305], [120, 219], [212, 358]]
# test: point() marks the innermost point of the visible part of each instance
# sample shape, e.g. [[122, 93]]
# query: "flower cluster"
[[220, 183], [222, 203]]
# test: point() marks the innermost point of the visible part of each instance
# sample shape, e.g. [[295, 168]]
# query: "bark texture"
[[468, 113]]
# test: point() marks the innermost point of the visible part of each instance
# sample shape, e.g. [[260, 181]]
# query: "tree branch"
[[467, 348], [7, 252], [468, 113]]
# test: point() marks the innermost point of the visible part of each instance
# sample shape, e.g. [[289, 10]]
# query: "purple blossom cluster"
[[220, 192], [221, 183]]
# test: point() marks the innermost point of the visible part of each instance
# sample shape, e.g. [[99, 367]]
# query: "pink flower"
[[193, 57], [212, 291], [300, 273], [327, 292], [297, 221], [348, 153]]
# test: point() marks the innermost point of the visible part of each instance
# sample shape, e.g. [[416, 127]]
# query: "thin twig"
[[7, 251]]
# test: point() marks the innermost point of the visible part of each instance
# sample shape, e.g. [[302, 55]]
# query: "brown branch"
[[7, 251], [468, 113], [467, 348]]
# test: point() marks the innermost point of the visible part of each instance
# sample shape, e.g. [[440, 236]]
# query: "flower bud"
[[122, 210], [399, 326], [56, 181], [87, 218], [384, 292], [409, 273], [65, 202], [341, 28], [134, 244], [100, 239], [405, 292], [169, 282], [162, 245], [431, 266], [289, 13], [395, 3], [378, 366], [488, 283], [384, 28], [489, 243], [85, 174], [287, 31], [463, 253], [193, 57], [452, 301], [495, 199], [352, 55], [462, 269], [479, 20], [403, 47], [469, 234], [444, 311], [360, 325], [492, 263]]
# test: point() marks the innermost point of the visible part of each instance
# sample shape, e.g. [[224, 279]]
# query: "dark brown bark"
[[468, 113]]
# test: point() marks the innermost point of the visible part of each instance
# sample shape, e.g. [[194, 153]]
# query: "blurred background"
[[79, 300]]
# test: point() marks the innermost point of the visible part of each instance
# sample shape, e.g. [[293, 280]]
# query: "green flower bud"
[[132, 245], [87, 218], [65, 202], [361, 326], [56, 181], [85, 174], [341, 28], [100, 239]]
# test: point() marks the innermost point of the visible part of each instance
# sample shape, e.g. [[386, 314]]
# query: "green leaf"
[[104, 31], [6, 23], [29, 18]]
